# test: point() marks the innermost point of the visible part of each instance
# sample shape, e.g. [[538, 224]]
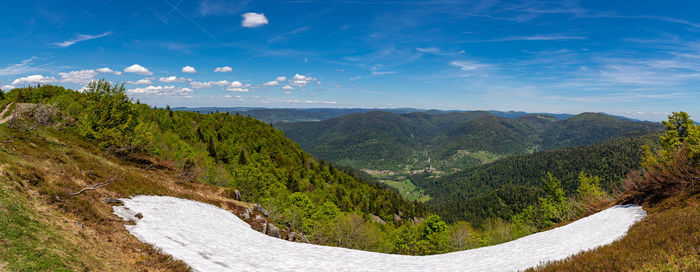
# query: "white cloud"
[[172, 79], [238, 87], [80, 38], [108, 71], [208, 84], [236, 84], [33, 79], [252, 19], [379, 73], [160, 91], [287, 87], [189, 70], [138, 69], [296, 101], [143, 81], [541, 38], [237, 90], [7, 87], [272, 83], [223, 69], [287, 92], [466, 65], [301, 80], [281, 78], [78, 77]]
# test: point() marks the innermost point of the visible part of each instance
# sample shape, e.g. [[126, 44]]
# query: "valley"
[[412, 135], [62, 160]]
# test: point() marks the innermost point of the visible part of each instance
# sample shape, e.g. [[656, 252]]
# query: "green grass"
[[27, 244], [408, 190]]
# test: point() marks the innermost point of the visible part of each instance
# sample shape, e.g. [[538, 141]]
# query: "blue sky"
[[639, 60]]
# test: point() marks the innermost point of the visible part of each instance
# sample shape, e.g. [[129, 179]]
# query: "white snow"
[[208, 238]]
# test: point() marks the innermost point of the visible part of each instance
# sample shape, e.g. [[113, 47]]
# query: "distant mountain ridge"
[[286, 115], [385, 140]]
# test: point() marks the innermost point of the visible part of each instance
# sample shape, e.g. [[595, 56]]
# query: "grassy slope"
[[668, 239], [44, 229], [408, 190]]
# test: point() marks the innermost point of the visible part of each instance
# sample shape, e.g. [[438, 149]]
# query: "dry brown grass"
[[668, 239], [46, 165]]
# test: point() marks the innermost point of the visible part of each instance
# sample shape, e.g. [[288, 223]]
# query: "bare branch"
[[96, 186]]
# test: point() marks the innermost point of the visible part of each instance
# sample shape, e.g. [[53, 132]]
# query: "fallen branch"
[[96, 186]]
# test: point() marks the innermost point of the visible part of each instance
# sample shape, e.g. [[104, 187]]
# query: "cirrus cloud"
[[81, 37]]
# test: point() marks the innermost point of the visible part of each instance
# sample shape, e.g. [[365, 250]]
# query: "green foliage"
[[678, 129], [507, 186], [235, 152], [589, 187], [384, 140], [681, 134], [552, 188], [109, 118]]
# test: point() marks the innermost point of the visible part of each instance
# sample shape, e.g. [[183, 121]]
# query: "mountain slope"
[[383, 140], [64, 153], [515, 181], [590, 128]]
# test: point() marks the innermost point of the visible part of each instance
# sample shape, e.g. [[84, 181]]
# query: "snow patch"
[[209, 238]]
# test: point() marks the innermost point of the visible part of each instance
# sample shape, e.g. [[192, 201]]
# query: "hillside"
[[506, 186], [390, 141], [66, 155]]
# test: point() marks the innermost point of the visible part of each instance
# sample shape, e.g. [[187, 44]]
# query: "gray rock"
[[261, 210], [112, 201], [246, 214], [377, 219], [264, 227], [397, 218], [273, 231], [290, 236]]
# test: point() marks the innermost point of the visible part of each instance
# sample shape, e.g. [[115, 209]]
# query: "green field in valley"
[[408, 190]]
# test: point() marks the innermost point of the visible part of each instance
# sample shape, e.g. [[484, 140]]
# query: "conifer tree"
[[241, 158], [211, 147]]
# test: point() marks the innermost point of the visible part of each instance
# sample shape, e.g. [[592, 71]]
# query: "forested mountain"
[[290, 115], [383, 140], [504, 187], [223, 149], [285, 115], [590, 128]]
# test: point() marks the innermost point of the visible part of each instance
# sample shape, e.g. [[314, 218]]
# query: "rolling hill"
[[389, 141]]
